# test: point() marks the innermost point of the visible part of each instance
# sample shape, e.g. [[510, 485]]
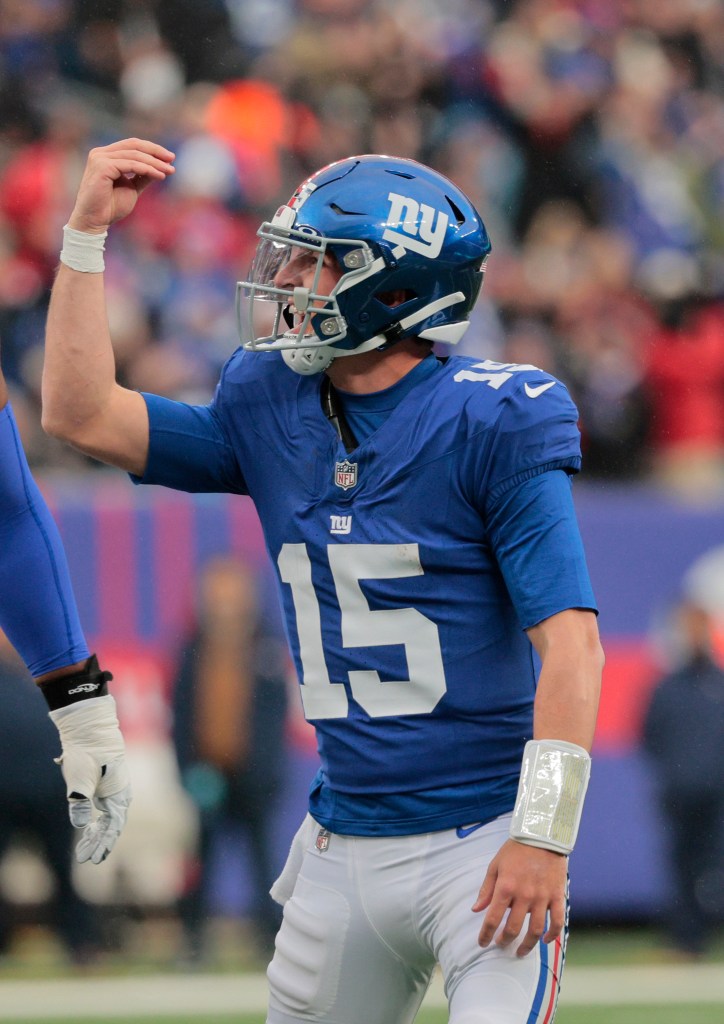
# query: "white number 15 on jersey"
[[363, 627]]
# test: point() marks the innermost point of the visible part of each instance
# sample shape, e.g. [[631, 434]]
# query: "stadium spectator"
[[229, 711], [610, 117], [688, 409], [684, 737]]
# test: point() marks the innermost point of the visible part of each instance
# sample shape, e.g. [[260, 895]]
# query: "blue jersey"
[[404, 571]]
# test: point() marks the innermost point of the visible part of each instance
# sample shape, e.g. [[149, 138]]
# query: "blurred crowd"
[[590, 134]]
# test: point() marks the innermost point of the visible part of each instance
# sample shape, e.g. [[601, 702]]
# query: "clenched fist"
[[113, 179]]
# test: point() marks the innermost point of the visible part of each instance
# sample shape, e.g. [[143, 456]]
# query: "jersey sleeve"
[[534, 533], [189, 448], [536, 431]]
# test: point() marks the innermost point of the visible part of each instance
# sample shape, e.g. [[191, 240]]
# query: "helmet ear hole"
[[397, 297]]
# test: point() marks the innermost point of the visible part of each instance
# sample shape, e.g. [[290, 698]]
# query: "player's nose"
[[289, 274]]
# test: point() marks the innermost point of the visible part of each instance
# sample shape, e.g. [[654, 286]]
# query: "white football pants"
[[367, 919]]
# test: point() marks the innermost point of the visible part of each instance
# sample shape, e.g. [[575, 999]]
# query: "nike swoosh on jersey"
[[533, 392], [465, 830]]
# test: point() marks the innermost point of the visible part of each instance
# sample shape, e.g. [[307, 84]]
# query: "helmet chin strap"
[[309, 360], [314, 360]]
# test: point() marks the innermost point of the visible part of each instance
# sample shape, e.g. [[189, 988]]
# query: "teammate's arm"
[[82, 402], [39, 616], [526, 879]]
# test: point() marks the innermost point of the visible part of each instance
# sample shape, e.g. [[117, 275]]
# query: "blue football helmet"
[[395, 227]]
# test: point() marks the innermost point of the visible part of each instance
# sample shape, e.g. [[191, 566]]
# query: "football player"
[[418, 514], [39, 616]]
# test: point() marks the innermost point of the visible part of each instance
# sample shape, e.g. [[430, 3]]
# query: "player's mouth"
[[294, 320]]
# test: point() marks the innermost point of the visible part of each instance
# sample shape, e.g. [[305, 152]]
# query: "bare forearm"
[[82, 403], [79, 372], [567, 704], [569, 687]]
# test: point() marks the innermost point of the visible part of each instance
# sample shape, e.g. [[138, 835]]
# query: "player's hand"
[[113, 179], [523, 880], [94, 768]]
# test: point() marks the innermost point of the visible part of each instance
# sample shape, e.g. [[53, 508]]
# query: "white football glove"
[[94, 768]]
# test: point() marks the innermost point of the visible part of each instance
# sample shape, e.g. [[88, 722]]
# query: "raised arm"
[[82, 402]]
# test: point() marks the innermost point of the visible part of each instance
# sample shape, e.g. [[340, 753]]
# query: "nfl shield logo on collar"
[[345, 474], [322, 842]]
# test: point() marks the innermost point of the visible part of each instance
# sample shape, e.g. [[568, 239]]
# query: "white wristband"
[[553, 781], [83, 251]]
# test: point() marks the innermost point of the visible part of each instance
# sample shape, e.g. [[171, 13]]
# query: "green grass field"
[[631, 948], [682, 1014]]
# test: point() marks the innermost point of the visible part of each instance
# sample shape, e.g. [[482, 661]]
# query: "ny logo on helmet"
[[423, 227]]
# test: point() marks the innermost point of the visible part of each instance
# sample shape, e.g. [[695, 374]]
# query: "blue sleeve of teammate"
[[537, 543], [189, 449], [38, 612]]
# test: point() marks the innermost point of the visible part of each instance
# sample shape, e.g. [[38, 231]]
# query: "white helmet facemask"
[[306, 325]]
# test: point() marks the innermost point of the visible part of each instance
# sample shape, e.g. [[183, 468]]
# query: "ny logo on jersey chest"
[[340, 524], [345, 474]]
